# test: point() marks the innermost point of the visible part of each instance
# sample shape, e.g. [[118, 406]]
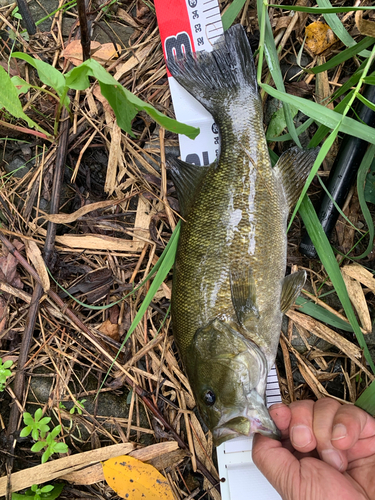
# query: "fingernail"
[[301, 436], [333, 458], [276, 406], [338, 432]]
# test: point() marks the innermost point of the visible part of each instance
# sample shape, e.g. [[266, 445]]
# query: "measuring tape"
[[188, 26]]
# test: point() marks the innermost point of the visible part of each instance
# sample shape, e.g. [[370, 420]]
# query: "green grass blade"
[[343, 56], [318, 312], [327, 257], [361, 178], [320, 10], [366, 401], [164, 269], [231, 13], [324, 115], [338, 28], [273, 63]]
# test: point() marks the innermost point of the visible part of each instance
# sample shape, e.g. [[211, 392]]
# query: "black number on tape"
[[192, 3], [195, 160], [178, 46]]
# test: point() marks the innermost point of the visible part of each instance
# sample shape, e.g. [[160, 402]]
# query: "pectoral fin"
[[292, 286], [187, 179], [242, 287], [292, 170]]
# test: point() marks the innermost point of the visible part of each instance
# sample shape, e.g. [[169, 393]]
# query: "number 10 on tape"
[[188, 26]]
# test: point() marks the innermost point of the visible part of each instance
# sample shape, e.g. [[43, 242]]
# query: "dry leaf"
[[134, 480], [358, 300], [34, 254], [101, 53], [110, 329], [319, 37], [365, 27]]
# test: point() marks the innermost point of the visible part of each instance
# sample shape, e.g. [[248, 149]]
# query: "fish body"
[[229, 290]]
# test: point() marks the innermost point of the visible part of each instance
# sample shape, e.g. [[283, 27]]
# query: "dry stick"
[[19, 382], [85, 35], [87, 333]]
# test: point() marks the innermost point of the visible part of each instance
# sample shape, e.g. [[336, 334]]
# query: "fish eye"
[[209, 398]]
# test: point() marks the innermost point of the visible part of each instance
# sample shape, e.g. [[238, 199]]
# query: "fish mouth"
[[245, 422]]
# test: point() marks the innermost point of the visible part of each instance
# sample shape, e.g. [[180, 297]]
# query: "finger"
[[351, 424], [277, 464], [281, 415], [301, 426], [324, 413]]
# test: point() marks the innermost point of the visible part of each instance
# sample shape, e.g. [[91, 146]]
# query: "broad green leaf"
[[10, 102], [231, 13], [278, 122], [48, 74], [19, 82], [327, 257], [124, 103], [325, 116]]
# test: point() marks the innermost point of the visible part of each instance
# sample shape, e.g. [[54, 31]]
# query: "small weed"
[[41, 433], [47, 492], [5, 373]]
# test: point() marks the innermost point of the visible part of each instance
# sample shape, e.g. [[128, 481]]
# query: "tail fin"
[[211, 77]]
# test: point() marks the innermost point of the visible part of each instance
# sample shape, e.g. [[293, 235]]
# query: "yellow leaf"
[[134, 480], [319, 37]]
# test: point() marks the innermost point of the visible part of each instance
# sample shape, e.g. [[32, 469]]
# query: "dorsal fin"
[[292, 170], [187, 179]]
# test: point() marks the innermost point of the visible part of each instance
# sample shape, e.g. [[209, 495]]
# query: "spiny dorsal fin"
[[292, 169], [292, 286], [242, 288], [187, 179]]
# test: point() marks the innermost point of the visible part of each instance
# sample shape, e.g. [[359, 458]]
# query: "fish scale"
[[229, 290]]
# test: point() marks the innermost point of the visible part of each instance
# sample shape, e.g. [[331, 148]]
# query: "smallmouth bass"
[[229, 286]]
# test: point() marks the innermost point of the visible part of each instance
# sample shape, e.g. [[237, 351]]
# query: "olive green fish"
[[229, 289]]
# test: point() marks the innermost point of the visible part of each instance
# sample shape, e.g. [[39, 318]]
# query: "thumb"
[[277, 464]]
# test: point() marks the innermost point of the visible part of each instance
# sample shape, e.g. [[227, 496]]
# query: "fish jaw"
[[252, 419]]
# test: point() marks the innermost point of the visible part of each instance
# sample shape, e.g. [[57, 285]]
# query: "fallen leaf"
[[365, 27], [110, 329], [100, 52], [134, 480], [34, 254], [319, 37]]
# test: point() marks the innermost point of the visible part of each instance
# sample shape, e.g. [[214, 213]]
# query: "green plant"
[[40, 432], [4, 372], [124, 104], [51, 445], [78, 407], [47, 492]]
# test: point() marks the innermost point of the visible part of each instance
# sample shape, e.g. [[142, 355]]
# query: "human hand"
[[327, 451]]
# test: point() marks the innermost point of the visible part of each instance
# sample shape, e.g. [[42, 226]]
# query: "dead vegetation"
[[116, 212]]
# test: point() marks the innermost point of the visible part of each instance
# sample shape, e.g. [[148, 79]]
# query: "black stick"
[[343, 174]]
